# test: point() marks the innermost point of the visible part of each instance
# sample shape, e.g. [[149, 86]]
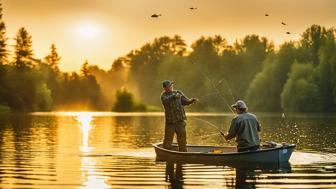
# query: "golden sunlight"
[[92, 178], [88, 30], [84, 120]]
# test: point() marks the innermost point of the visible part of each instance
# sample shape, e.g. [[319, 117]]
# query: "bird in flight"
[[266, 14], [156, 15], [283, 23], [289, 33], [193, 8]]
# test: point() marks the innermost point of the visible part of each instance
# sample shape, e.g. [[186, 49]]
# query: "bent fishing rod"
[[214, 87], [217, 92], [211, 124]]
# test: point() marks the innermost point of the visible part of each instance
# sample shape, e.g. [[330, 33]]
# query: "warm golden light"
[[84, 120], [88, 30], [92, 178], [88, 163]]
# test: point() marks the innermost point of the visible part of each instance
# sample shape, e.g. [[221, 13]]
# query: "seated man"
[[245, 127]]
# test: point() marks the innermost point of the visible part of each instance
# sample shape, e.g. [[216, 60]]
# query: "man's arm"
[[232, 131], [185, 100]]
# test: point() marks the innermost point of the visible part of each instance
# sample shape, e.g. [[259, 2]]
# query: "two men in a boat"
[[175, 118], [244, 127]]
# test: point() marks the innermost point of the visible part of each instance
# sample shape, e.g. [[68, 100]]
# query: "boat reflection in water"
[[239, 169], [236, 176], [174, 174]]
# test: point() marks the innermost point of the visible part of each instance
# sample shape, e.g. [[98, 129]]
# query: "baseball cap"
[[239, 104], [167, 83]]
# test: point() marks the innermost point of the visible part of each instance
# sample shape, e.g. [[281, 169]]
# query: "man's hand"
[[225, 136], [194, 100]]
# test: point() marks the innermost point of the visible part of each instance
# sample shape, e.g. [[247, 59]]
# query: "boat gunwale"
[[156, 145]]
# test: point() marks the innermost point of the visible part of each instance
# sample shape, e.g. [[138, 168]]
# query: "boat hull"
[[209, 154]]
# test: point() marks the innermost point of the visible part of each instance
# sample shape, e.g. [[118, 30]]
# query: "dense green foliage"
[[300, 76], [125, 102], [296, 76]]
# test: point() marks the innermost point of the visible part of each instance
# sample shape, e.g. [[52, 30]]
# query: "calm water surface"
[[107, 150]]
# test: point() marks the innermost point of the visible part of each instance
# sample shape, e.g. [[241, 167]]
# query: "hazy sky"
[[102, 30]]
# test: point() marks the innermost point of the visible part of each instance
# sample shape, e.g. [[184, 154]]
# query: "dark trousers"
[[179, 129]]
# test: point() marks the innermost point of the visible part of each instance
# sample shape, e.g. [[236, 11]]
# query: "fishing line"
[[206, 95], [215, 88], [228, 87], [211, 124], [209, 135]]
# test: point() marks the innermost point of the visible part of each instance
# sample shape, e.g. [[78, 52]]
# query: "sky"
[[102, 30]]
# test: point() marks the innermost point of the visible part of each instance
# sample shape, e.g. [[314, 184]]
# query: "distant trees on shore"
[[297, 76]]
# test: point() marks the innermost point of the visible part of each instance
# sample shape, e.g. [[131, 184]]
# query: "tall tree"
[[251, 51], [326, 73], [23, 49], [53, 59], [52, 74], [265, 89], [301, 93], [3, 40], [3, 60], [144, 63], [85, 69], [312, 39]]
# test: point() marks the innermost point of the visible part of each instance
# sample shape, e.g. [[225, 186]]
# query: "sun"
[[89, 30]]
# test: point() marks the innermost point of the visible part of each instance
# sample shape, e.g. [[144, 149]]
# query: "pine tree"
[[53, 59], [23, 49], [85, 70], [3, 39]]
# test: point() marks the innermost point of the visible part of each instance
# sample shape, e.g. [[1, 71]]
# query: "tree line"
[[30, 84], [297, 76]]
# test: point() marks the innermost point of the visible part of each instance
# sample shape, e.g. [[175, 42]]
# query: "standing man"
[[245, 128], [175, 117]]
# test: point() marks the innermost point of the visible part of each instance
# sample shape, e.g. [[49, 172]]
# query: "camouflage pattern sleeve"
[[184, 99], [165, 98]]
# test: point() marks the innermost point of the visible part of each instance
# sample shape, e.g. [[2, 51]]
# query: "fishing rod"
[[228, 87], [206, 95], [220, 94], [219, 84], [209, 135], [211, 124], [215, 87]]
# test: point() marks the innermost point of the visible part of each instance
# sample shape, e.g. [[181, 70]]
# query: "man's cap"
[[167, 83], [239, 104]]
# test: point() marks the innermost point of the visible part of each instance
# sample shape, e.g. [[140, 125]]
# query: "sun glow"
[[88, 30]]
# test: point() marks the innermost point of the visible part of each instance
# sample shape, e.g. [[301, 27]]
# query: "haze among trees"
[[297, 76]]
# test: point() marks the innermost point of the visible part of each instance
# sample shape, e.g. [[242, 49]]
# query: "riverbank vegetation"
[[297, 76]]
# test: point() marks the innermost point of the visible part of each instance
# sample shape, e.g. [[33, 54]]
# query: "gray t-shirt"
[[245, 128]]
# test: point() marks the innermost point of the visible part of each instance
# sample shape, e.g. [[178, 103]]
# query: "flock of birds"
[[283, 23], [195, 8], [158, 15]]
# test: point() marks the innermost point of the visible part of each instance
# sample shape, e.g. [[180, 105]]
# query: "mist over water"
[[109, 150]]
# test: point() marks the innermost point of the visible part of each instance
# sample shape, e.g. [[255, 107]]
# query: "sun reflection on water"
[[88, 164], [85, 123]]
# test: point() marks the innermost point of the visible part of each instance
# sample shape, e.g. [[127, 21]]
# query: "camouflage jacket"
[[173, 106]]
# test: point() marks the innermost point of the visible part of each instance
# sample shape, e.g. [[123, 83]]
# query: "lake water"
[[109, 150]]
